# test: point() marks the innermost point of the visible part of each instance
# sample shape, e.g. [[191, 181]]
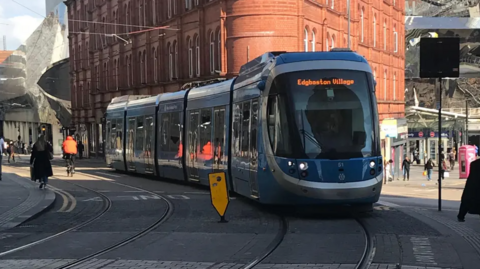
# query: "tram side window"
[[131, 134], [193, 133], [118, 134], [165, 119], [245, 129], [140, 134], [219, 133], [148, 135], [278, 126], [174, 132], [206, 132], [237, 118], [253, 130]]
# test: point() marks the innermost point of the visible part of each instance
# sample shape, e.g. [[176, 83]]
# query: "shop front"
[[394, 135], [424, 144]]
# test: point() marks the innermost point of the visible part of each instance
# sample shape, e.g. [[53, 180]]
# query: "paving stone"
[[23, 198]]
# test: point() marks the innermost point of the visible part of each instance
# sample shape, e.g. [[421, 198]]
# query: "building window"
[[313, 41], [305, 40], [97, 77], [105, 75], [174, 7], [394, 86], [197, 55], [154, 12], [385, 35], [385, 85], [190, 57], [169, 8], [131, 68], [128, 70], [80, 53], [362, 21], [333, 41], [175, 49], [170, 62], [115, 62], [140, 62], [333, 4], [188, 4], [144, 11], [155, 64], [145, 66], [212, 53], [326, 43], [219, 49], [374, 31], [395, 40]]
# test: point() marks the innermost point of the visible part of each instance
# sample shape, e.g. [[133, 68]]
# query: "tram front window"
[[328, 111]]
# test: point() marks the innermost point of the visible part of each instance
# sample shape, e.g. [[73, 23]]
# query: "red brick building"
[[117, 47]]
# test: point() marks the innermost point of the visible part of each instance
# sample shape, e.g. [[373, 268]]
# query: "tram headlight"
[[303, 166], [372, 164]]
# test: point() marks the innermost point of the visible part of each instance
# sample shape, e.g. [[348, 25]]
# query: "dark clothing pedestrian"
[[470, 202], [40, 159], [406, 169]]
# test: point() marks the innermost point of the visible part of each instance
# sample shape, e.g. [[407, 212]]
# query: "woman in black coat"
[[470, 197], [40, 158]]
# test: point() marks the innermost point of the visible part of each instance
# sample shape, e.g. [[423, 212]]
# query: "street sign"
[[432, 134], [420, 134], [219, 193]]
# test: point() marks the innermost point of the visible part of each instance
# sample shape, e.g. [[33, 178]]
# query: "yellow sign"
[[321, 82], [219, 192]]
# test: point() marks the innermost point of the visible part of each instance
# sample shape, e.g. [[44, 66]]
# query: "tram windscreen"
[[332, 111]]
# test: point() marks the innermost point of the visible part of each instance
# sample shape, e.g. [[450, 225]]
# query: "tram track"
[[107, 206]]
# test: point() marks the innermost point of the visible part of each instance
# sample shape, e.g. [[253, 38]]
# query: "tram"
[[291, 129]]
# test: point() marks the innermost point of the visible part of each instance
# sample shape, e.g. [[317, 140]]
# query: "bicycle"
[[69, 158]]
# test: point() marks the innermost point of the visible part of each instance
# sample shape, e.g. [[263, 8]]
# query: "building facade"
[[121, 47]]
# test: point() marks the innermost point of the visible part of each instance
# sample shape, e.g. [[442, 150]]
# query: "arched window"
[[385, 85], [362, 22], [154, 12], [145, 66], [327, 47], [212, 53], [131, 69], [140, 62], [175, 63], [105, 75], [395, 40], [190, 57], [385, 35], [333, 41], [169, 8], [197, 55], [170, 62], [305, 40], [219, 49], [333, 4], [374, 31], [87, 93], [313, 41], [115, 63], [127, 17], [155, 63], [128, 70], [394, 85], [75, 96]]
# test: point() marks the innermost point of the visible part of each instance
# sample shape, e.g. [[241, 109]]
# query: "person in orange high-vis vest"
[[69, 151]]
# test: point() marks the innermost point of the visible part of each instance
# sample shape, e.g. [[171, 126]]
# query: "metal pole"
[[466, 122], [440, 147], [348, 18]]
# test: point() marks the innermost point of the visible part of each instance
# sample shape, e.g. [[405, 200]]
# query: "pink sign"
[[466, 155]]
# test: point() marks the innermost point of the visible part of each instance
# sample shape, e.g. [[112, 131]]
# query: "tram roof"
[[319, 56]]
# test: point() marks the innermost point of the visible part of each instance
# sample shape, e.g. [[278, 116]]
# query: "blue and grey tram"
[[290, 129]]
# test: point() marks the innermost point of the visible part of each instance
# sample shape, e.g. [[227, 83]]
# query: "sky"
[[21, 21]]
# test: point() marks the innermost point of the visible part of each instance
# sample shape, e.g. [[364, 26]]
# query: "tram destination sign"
[[321, 82]]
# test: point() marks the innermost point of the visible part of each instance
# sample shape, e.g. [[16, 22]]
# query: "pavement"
[[21, 199], [407, 228]]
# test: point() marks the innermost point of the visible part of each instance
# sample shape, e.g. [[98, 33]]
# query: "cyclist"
[[69, 151]]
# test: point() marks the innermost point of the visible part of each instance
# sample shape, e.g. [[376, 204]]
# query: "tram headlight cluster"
[[372, 168], [303, 166]]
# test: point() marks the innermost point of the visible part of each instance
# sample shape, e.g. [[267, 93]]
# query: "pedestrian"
[[42, 153], [451, 158], [389, 170], [406, 168], [2, 143], [442, 165], [470, 202], [11, 152], [429, 168]]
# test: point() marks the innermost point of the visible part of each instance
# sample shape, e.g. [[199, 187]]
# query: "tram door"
[[192, 149], [130, 152], [253, 152], [149, 167], [219, 139]]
